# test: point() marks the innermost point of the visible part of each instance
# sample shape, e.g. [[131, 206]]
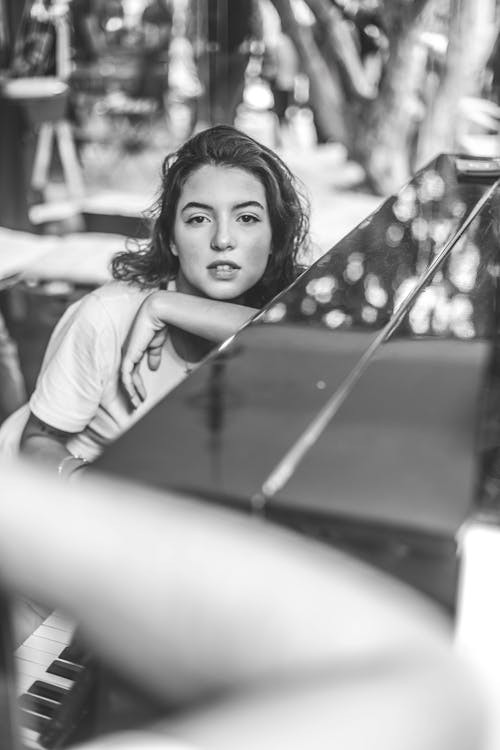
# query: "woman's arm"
[[71, 382], [46, 444], [213, 320], [41, 441]]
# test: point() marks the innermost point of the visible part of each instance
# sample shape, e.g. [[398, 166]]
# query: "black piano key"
[[70, 711], [39, 705], [33, 720], [65, 669], [75, 652], [72, 655], [52, 692]]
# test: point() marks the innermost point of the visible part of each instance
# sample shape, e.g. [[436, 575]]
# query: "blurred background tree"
[[392, 82], [432, 53]]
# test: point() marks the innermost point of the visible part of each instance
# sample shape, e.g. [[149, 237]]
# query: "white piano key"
[[43, 644], [26, 668], [58, 620], [54, 634], [30, 739], [35, 656]]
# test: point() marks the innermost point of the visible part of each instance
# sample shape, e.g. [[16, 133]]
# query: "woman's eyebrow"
[[248, 204], [237, 206], [194, 204]]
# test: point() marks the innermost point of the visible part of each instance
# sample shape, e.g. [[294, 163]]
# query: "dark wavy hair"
[[152, 264]]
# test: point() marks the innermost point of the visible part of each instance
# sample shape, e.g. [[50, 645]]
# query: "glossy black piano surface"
[[410, 388]]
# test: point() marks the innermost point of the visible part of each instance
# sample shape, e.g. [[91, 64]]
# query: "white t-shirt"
[[78, 389]]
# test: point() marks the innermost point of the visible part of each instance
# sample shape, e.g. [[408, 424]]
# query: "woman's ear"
[[174, 250]]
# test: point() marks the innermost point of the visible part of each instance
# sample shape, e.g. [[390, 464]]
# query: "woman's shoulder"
[[119, 291], [115, 298], [104, 307], [116, 304]]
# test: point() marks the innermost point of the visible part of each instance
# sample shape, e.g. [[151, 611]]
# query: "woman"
[[228, 226]]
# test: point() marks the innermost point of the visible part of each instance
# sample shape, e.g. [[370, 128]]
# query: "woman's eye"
[[248, 218], [197, 219]]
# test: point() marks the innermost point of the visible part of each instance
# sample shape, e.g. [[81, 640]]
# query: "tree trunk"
[[326, 95], [342, 48], [384, 130], [470, 41]]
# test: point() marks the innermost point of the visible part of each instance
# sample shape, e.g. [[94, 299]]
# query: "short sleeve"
[[76, 367]]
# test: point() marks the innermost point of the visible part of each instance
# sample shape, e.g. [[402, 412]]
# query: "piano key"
[[58, 620], [52, 692], [23, 683], [27, 668], [65, 669], [42, 644], [34, 721], [53, 634], [75, 653], [44, 706], [72, 655], [29, 739], [35, 656], [28, 684]]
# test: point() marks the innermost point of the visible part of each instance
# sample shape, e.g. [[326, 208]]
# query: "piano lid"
[[404, 386]]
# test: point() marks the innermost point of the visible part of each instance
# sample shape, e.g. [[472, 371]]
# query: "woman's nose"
[[222, 239]]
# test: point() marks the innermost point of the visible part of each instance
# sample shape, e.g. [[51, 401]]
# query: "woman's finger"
[[145, 339], [155, 347], [126, 370], [154, 358], [138, 384]]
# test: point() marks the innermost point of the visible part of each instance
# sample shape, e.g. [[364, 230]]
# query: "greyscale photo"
[[249, 374]]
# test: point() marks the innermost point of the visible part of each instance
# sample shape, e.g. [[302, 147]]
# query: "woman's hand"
[[146, 338], [213, 320]]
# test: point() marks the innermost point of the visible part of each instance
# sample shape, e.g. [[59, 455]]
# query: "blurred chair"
[[44, 101]]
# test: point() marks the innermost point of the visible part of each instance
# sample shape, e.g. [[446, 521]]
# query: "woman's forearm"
[[44, 449], [46, 445], [214, 320]]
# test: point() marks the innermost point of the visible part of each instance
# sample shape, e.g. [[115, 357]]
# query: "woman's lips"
[[223, 271]]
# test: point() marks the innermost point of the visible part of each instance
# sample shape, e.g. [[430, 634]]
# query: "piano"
[[54, 683], [361, 406]]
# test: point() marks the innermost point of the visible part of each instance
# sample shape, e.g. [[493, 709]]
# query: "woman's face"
[[222, 232]]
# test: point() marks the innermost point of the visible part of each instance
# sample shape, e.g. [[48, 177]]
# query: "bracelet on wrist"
[[69, 465]]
